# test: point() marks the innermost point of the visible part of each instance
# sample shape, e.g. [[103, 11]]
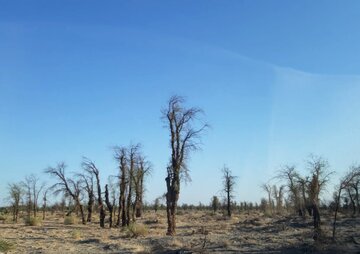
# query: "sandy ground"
[[197, 232]]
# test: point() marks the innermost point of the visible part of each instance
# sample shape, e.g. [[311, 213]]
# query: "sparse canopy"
[[185, 131], [229, 183]]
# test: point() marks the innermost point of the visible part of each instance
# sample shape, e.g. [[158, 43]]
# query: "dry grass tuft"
[[32, 221], [6, 246], [136, 230], [76, 234], [70, 220]]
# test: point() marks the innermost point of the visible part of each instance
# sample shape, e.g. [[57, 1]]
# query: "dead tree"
[[278, 194], [44, 203], [121, 157], [354, 173], [320, 176], [291, 178], [87, 181], [33, 189], [15, 194], [184, 137], [68, 187], [91, 168], [267, 188], [133, 153], [109, 205], [229, 182], [143, 169], [215, 203]]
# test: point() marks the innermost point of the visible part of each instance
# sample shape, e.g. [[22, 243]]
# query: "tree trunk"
[[317, 221], [352, 201], [109, 205], [81, 208], [228, 204], [335, 214], [90, 207], [172, 197]]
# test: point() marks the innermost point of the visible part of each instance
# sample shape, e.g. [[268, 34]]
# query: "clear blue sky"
[[278, 80]]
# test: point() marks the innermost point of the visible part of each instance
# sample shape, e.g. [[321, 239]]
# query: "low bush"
[[6, 246], [136, 230], [32, 221], [69, 220]]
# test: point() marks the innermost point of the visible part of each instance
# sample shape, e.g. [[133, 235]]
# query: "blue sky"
[[278, 80]]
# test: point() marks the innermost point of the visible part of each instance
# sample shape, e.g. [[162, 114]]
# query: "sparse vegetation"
[[136, 230], [32, 221], [6, 246], [70, 220]]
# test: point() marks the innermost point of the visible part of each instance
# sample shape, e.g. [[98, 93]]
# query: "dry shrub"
[[76, 234], [6, 246], [136, 230], [69, 220], [32, 221]]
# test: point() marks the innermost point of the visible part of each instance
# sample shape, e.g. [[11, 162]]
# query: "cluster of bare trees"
[[133, 168], [126, 196], [303, 192]]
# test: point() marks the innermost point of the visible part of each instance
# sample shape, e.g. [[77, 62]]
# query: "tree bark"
[[109, 205]]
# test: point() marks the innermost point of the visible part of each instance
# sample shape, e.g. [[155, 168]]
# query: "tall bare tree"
[[15, 195], [133, 154], [87, 181], [67, 186], [229, 182], [291, 178], [44, 203], [184, 137], [91, 168], [320, 175], [345, 182], [33, 189], [121, 157], [109, 205], [267, 188], [142, 170]]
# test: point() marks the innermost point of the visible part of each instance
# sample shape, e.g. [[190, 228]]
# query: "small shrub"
[[6, 246], [136, 230], [2, 217], [32, 221], [76, 234], [69, 220]]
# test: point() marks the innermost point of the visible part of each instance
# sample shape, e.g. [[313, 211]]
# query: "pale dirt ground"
[[197, 232]]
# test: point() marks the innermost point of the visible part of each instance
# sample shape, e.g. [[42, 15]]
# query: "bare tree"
[[15, 194], [291, 178], [109, 205], [143, 169], [278, 194], [121, 157], [87, 181], [229, 182], [33, 189], [348, 179], [44, 203], [91, 168], [133, 153], [215, 203], [184, 137], [67, 186], [320, 175], [267, 188]]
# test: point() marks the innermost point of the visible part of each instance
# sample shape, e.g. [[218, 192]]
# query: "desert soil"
[[197, 232]]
